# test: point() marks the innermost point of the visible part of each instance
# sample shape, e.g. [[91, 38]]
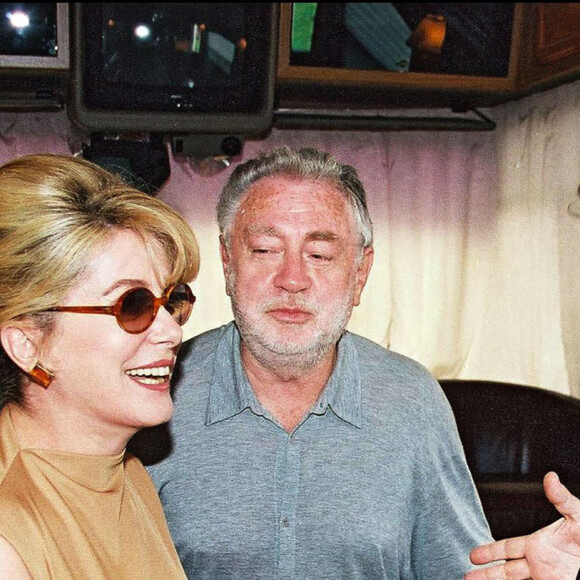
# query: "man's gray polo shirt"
[[372, 484]]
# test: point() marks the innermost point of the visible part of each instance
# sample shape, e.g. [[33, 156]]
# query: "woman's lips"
[[155, 376]]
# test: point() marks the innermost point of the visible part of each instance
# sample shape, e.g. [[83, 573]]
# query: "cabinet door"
[[551, 51], [558, 35]]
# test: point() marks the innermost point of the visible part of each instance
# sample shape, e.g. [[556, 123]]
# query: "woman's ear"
[[20, 342]]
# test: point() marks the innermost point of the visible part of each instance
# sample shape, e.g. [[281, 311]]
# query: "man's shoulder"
[[398, 386], [378, 360], [190, 387], [206, 340], [198, 352]]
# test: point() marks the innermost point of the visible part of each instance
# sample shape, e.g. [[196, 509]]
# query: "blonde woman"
[[93, 293]]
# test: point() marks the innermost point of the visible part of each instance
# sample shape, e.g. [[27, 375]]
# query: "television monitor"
[[34, 36], [173, 68]]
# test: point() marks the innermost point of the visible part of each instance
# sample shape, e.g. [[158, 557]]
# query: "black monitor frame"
[[245, 109]]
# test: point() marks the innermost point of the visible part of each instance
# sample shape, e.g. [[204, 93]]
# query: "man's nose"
[[292, 275]]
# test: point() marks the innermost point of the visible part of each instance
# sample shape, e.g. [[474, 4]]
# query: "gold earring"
[[40, 375]]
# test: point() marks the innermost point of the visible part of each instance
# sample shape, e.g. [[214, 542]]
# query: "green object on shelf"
[[303, 14]]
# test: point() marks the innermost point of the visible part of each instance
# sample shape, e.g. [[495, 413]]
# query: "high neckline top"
[[71, 515]]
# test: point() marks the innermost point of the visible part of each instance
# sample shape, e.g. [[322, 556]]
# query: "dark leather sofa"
[[513, 435]]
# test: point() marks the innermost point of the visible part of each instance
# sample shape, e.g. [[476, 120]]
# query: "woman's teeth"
[[151, 376]]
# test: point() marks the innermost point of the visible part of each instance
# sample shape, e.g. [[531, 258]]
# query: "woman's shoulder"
[[12, 566]]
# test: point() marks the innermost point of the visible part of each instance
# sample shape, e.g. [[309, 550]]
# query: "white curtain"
[[529, 333], [477, 271], [441, 201], [485, 268]]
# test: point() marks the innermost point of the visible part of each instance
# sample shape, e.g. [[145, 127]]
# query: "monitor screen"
[[471, 39], [34, 35], [174, 68]]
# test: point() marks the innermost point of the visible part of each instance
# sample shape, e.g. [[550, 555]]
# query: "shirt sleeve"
[[449, 521]]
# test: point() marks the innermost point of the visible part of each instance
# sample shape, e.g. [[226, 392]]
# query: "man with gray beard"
[[300, 451]]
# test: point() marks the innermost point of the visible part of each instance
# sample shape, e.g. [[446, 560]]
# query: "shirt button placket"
[[289, 484]]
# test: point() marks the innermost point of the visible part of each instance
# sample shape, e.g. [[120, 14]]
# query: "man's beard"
[[277, 353]]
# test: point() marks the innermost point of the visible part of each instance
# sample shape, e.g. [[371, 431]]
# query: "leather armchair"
[[513, 435]]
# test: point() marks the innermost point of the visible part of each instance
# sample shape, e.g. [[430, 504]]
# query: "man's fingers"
[[567, 504], [508, 549], [514, 570]]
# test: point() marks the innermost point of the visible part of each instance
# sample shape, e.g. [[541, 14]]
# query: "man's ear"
[[21, 344], [363, 272], [225, 261]]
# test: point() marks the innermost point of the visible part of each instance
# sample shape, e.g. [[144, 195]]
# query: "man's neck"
[[286, 392]]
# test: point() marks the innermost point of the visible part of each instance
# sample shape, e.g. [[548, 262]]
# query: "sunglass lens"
[[180, 303], [137, 310]]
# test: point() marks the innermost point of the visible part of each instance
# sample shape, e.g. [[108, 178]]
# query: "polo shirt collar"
[[230, 391]]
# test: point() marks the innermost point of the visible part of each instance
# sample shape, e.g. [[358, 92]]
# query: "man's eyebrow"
[[262, 230], [322, 236], [314, 236]]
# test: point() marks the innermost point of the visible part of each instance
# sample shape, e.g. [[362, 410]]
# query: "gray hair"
[[306, 163]]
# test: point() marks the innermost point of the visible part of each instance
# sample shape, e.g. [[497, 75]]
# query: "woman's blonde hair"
[[54, 212]]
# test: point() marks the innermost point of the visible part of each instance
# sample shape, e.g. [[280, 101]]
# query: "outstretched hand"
[[551, 553]]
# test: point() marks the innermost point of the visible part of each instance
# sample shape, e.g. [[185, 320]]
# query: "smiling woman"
[[93, 293]]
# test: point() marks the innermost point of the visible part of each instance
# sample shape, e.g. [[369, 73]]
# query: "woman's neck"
[[46, 429]]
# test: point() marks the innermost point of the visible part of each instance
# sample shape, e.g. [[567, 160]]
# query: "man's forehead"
[[282, 184], [324, 235], [295, 196]]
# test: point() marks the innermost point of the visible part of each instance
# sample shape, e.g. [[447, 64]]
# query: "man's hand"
[[552, 553]]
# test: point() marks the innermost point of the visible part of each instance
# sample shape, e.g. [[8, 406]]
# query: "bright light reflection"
[[18, 19], [142, 31]]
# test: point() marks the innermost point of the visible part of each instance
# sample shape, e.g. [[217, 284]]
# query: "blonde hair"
[[55, 211]]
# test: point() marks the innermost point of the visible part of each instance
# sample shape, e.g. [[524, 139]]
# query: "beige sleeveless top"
[[82, 516]]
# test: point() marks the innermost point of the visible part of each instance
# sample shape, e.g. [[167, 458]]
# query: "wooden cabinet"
[[557, 33], [544, 50], [551, 45], [327, 86]]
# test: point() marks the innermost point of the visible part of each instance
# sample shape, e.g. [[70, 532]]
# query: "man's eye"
[[321, 257], [266, 252]]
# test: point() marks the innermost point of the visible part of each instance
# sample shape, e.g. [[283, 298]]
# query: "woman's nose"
[[166, 329]]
